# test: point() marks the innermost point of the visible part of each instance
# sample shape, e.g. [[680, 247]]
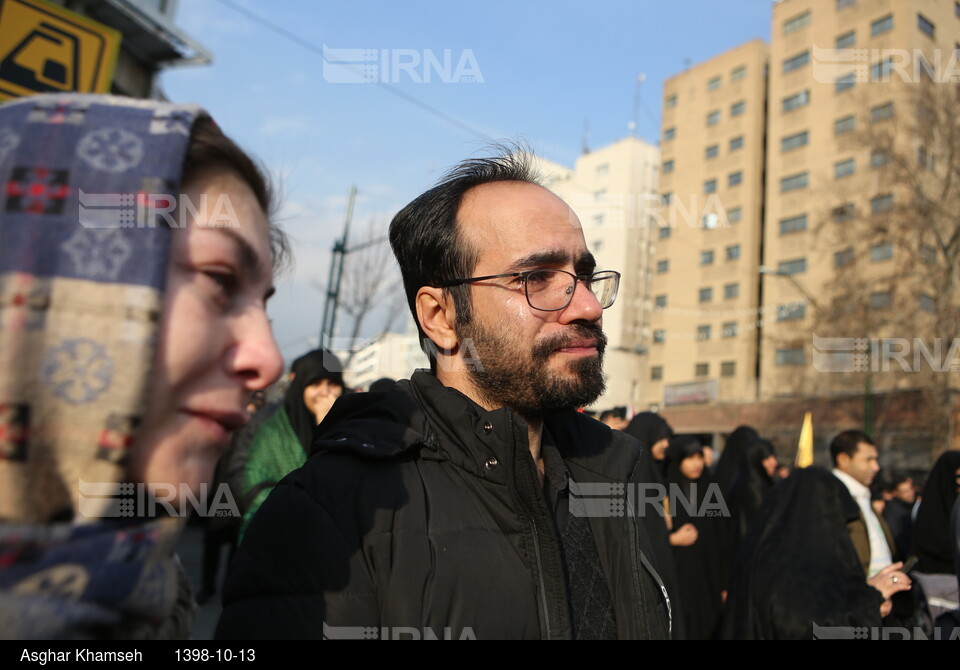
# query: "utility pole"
[[336, 276]]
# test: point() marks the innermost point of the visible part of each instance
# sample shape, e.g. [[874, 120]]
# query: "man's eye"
[[538, 279]]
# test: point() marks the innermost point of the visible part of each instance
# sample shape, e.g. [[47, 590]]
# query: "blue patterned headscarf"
[[82, 275]]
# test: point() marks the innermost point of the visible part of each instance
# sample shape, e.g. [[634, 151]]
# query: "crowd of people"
[[455, 503]]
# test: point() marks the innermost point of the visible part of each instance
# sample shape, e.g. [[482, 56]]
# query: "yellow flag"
[[805, 447]]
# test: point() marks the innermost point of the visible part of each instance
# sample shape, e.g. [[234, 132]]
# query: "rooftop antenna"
[[586, 136], [632, 126]]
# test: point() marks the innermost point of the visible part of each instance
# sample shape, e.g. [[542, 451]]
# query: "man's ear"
[[436, 315], [843, 460]]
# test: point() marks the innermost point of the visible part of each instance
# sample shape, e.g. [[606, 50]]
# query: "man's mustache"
[[575, 333]]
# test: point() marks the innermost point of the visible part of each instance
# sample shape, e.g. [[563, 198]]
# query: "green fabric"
[[275, 453]]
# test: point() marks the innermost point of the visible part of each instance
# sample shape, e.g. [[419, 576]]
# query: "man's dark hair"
[[893, 480], [847, 443], [427, 240]]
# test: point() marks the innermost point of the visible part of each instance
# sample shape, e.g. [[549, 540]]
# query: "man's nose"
[[584, 306]]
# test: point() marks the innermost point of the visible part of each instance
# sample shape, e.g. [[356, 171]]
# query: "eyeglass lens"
[[553, 289]]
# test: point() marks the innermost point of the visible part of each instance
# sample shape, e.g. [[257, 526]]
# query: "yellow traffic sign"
[[48, 49]]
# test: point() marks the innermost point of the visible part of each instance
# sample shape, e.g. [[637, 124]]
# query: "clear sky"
[[548, 67]]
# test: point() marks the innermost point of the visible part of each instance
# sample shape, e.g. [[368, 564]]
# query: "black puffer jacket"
[[418, 509]]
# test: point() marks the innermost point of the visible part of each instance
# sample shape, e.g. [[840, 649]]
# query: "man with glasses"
[[455, 505]]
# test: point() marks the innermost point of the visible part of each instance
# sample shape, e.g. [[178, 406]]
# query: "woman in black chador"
[[699, 564]]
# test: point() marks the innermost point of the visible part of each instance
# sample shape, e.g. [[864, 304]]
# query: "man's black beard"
[[525, 384]]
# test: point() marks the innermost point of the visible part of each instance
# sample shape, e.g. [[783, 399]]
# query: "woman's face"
[[692, 466], [769, 465], [659, 449], [320, 396], [215, 346]]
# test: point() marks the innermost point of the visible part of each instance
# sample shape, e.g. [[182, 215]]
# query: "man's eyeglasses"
[[552, 290]]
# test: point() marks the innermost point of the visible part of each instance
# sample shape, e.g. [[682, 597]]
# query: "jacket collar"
[[444, 424]]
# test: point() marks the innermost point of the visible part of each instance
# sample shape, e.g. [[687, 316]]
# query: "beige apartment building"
[[807, 188], [613, 191], [836, 68], [704, 289]]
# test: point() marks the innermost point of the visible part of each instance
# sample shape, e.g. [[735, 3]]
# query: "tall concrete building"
[[611, 190], [704, 289], [733, 335]]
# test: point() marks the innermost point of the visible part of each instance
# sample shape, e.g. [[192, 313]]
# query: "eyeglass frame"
[[526, 273]]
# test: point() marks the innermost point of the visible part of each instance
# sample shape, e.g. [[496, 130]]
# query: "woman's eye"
[[225, 281]]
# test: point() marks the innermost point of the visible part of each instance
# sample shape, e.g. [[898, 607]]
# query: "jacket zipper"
[[544, 608], [646, 563], [543, 586]]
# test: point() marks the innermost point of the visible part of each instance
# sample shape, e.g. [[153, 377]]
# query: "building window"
[[922, 157], [664, 232], [728, 368], [845, 82], [659, 336], [706, 257], [667, 166], [736, 109], [881, 112], [843, 213], [713, 118], [881, 25], [793, 182], [927, 303], [791, 311], [670, 102], [881, 252], [713, 83], [790, 356], [928, 254], [733, 252], [734, 214], [881, 203], [656, 373], [879, 158], [598, 221], [880, 71], [663, 266], [713, 151], [703, 333], [730, 329], [738, 73], [600, 196], [925, 25], [794, 141], [796, 101], [669, 134], [843, 169], [882, 300], [710, 221], [731, 291], [846, 40], [796, 62], [660, 302], [734, 179], [793, 224], [603, 169], [702, 369], [736, 142], [710, 186], [706, 295], [842, 4], [666, 198], [842, 259], [794, 267], [796, 23], [844, 125]]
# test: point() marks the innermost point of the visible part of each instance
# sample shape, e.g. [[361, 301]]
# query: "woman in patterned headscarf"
[[136, 258]]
